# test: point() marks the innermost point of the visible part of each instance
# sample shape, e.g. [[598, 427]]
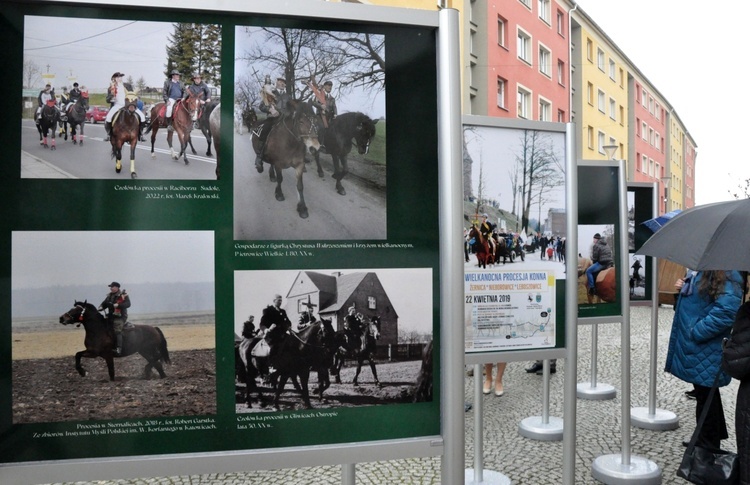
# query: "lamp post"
[[666, 181]]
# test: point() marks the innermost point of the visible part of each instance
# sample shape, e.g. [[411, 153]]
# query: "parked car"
[[96, 114]]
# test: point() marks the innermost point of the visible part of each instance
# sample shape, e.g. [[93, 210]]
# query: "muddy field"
[[397, 385], [47, 388]]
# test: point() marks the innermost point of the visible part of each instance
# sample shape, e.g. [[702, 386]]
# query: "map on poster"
[[509, 309]]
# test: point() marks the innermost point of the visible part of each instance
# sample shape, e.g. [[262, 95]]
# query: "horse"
[[311, 348], [605, 282], [247, 369], [344, 131], [184, 113], [285, 146], [502, 248], [125, 129], [76, 116], [423, 390], [214, 123], [48, 118], [360, 351], [100, 340], [249, 118], [481, 247], [204, 125]]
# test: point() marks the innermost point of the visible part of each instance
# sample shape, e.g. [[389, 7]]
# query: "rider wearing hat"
[[326, 108], [274, 102], [197, 88], [73, 96], [601, 259], [116, 95], [44, 95], [117, 303], [173, 90]]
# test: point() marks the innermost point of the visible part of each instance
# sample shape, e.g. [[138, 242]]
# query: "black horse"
[[249, 118], [300, 352], [100, 340], [204, 115], [345, 131], [47, 122], [285, 147], [125, 129], [360, 349], [76, 117]]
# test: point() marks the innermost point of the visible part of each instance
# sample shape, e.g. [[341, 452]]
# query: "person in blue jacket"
[[704, 314]]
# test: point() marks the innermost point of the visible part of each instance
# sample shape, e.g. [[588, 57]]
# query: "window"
[[601, 143], [590, 137], [600, 59], [622, 78], [526, 2], [658, 111], [371, 303], [524, 103], [651, 105], [651, 136], [589, 50], [612, 109], [612, 69], [644, 98], [657, 141], [545, 61], [560, 116], [650, 167], [561, 72], [502, 101], [622, 115], [544, 11], [545, 110], [561, 23], [590, 93], [644, 164], [644, 130], [524, 46], [600, 100], [502, 32]]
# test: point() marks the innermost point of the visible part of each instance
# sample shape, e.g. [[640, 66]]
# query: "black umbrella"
[[705, 237]]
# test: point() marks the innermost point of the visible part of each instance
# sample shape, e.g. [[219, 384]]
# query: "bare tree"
[[31, 73]]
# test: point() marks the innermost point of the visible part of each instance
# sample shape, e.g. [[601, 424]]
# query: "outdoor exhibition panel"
[[199, 253], [640, 209]]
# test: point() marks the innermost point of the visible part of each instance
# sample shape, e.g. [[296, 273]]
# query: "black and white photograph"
[[514, 199], [332, 338], [119, 99], [112, 325], [637, 277], [597, 278], [310, 135]]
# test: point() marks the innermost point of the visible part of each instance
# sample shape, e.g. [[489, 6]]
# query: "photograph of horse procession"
[[596, 243], [79, 58], [514, 199], [65, 366], [353, 338]]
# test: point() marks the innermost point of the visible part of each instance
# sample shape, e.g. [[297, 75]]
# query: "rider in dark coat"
[[198, 87], [117, 302], [277, 322], [601, 258], [275, 103]]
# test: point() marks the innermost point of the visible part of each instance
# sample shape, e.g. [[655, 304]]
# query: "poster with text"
[[514, 238], [142, 252]]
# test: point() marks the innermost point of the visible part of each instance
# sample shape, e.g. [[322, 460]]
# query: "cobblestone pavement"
[[525, 461]]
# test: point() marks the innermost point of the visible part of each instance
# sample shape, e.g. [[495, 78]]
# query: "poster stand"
[[544, 427], [652, 417], [595, 390], [625, 467]]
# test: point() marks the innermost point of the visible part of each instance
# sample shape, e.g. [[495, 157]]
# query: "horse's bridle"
[[80, 317], [312, 132]]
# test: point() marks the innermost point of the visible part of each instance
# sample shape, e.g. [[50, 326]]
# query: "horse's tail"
[[163, 347]]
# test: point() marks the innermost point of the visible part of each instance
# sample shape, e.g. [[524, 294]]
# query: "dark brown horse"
[[76, 118], [286, 143], [47, 122], [300, 352], [346, 130], [100, 340], [204, 124], [481, 247], [125, 129], [214, 123], [360, 349], [184, 113]]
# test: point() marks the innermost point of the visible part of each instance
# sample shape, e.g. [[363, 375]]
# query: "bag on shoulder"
[[707, 466], [734, 361]]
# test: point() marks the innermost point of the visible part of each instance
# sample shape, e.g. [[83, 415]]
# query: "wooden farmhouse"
[[333, 294]]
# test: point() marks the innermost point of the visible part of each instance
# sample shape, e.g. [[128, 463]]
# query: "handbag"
[[707, 465]]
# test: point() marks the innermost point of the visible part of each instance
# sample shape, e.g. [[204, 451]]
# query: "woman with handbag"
[[704, 314]]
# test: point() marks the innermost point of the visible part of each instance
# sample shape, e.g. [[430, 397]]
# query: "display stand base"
[[489, 478], [600, 392], [534, 428], [661, 420], [610, 470]]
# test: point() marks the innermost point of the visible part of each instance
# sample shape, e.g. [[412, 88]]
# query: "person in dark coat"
[[601, 259], [737, 364], [703, 318]]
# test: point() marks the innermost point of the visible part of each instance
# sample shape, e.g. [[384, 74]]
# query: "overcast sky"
[[689, 52], [410, 292], [91, 50], [50, 258]]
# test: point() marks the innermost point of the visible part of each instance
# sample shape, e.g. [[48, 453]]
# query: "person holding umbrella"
[[703, 318]]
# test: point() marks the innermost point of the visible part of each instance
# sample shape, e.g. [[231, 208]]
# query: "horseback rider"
[[486, 228], [601, 258], [353, 329], [46, 94], [307, 318], [248, 328], [116, 96], [274, 102], [277, 324], [73, 96], [117, 303], [197, 88], [173, 90], [325, 107]]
